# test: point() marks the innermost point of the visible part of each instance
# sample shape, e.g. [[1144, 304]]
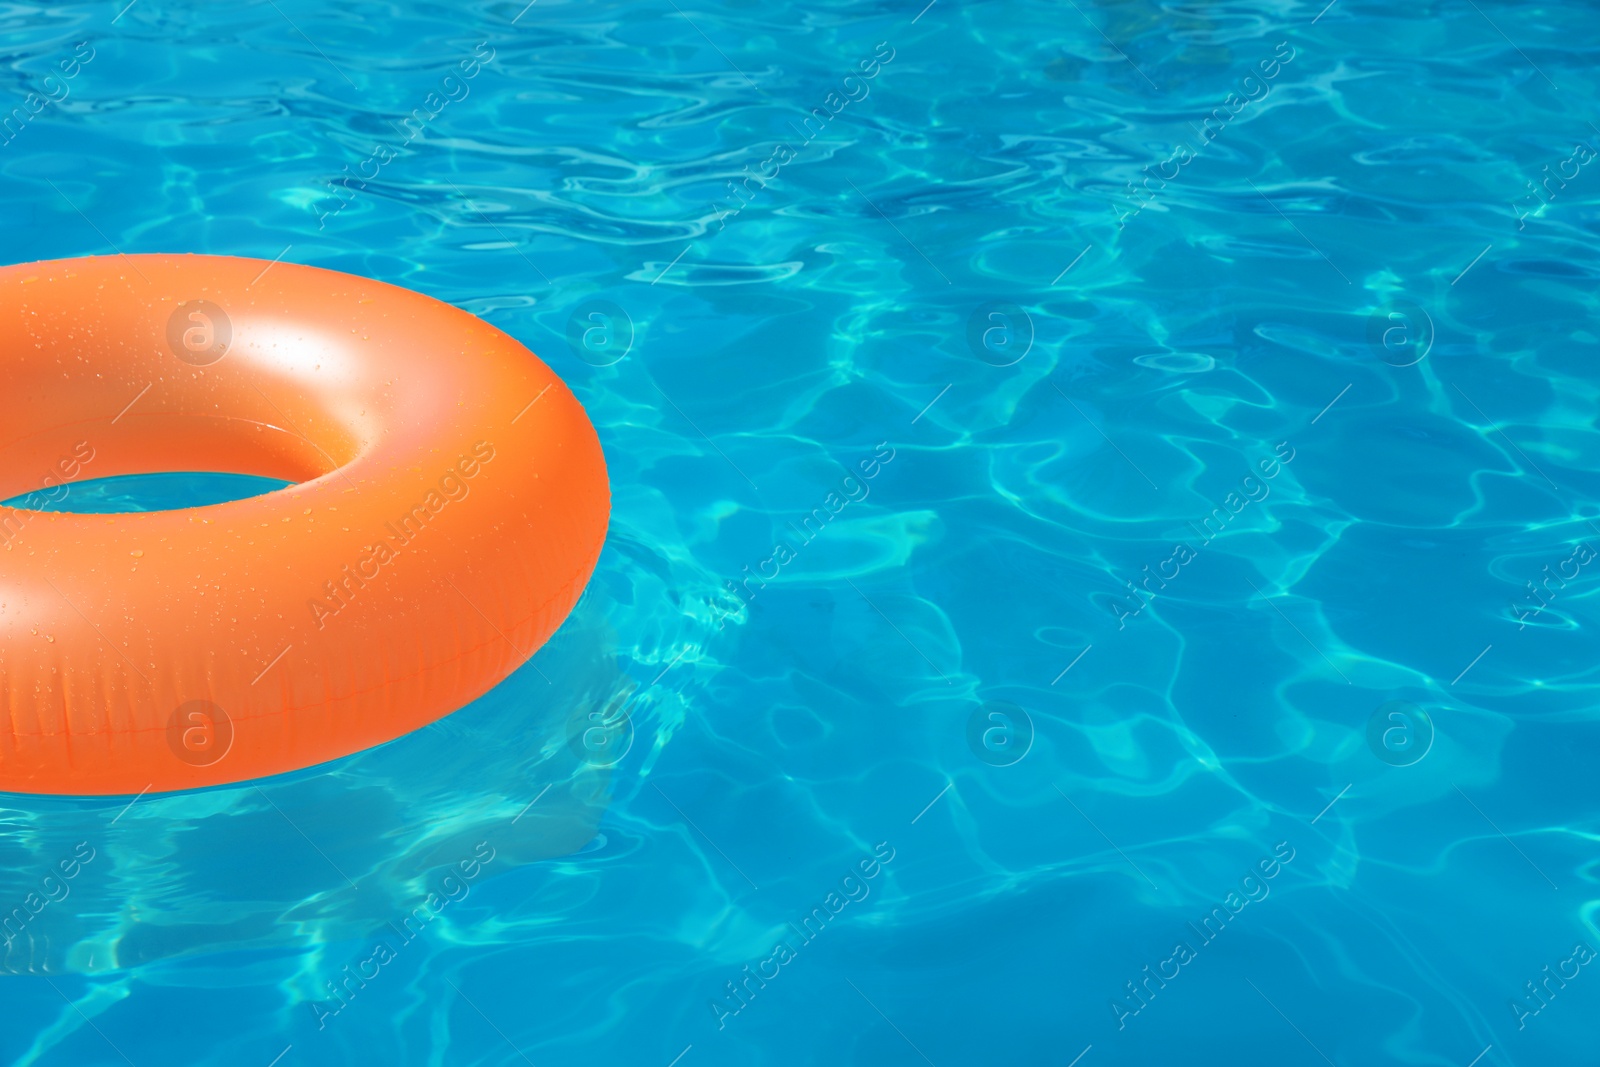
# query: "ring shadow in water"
[[374, 842]]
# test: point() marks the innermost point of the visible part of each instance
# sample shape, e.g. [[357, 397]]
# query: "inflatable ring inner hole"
[[261, 439], [163, 491]]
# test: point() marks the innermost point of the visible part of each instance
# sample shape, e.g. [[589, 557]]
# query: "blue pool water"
[[1196, 404]]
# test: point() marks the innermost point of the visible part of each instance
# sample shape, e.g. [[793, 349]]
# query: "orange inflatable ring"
[[449, 507]]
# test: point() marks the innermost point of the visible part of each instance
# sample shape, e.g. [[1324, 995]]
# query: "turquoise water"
[[1177, 423]]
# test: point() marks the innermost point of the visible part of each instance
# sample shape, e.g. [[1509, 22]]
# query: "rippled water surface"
[[1103, 552]]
